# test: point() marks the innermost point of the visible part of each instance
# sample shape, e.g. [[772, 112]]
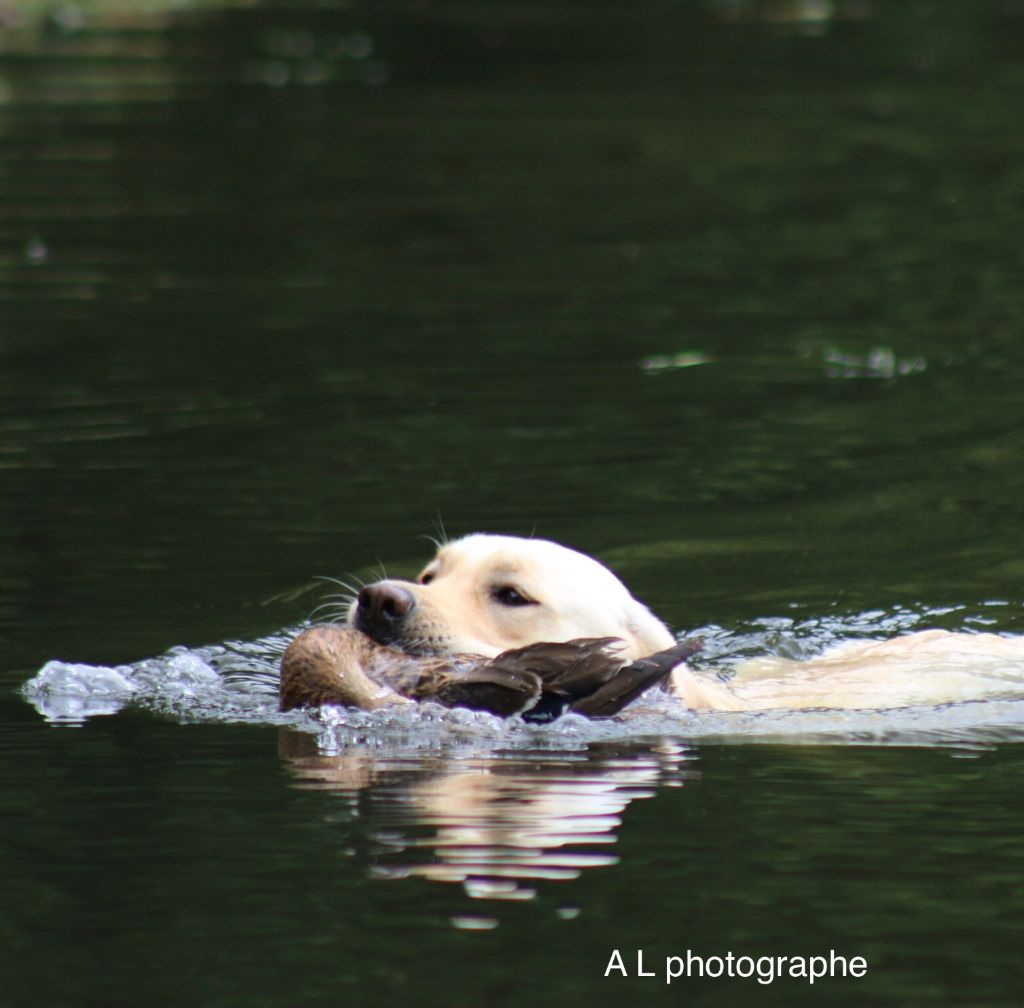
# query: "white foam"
[[236, 681], [70, 693]]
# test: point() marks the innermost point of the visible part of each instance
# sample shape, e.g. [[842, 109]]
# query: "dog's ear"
[[645, 631]]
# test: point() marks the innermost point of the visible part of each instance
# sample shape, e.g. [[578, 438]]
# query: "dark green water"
[[280, 286]]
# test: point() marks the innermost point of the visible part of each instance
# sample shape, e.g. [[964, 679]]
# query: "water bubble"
[[36, 251], [676, 361], [473, 922], [879, 362]]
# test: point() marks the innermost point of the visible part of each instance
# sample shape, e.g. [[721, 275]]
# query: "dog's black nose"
[[381, 607]]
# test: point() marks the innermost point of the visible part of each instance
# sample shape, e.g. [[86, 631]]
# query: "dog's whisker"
[[328, 614], [343, 597], [350, 588], [327, 577], [335, 606], [355, 588], [337, 601], [441, 539]]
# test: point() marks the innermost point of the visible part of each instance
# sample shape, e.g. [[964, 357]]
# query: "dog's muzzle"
[[381, 609]]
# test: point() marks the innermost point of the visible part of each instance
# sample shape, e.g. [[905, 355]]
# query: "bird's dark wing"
[[587, 676], [516, 681], [485, 687], [571, 668], [627, 684]]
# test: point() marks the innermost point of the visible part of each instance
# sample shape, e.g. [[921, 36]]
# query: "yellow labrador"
[[484, 594]]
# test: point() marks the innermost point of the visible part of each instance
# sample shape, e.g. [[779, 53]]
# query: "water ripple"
[[237, 682]]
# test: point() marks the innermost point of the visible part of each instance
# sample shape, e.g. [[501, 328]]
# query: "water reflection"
[[496, 824]]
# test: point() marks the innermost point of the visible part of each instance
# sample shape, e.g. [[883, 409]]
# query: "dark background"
[[725, 293]]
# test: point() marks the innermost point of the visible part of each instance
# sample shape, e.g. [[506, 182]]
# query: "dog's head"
[[485, 594]]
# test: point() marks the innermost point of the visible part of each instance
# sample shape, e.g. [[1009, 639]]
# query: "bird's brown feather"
[[336, 664]]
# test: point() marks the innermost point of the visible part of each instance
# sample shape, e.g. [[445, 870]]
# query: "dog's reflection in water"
[[493, 823]]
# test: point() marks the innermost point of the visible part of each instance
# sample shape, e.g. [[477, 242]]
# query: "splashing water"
[[237, 682]]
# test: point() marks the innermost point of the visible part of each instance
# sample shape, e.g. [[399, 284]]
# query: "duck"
[[335, 664]]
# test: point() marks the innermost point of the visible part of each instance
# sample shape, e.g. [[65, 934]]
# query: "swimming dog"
[[486, 594]]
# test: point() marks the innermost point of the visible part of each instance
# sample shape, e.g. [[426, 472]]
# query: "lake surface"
[[726, 294]]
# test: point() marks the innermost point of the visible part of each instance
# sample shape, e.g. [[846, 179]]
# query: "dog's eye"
[[426, 578], [508, 596]]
